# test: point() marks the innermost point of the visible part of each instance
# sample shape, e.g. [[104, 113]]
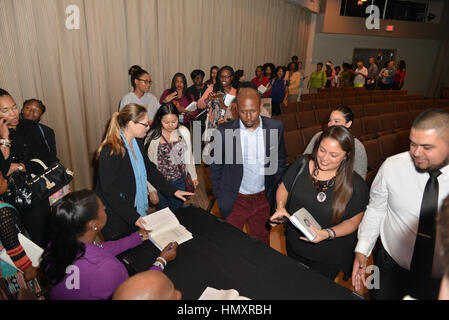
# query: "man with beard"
[[405, 197]]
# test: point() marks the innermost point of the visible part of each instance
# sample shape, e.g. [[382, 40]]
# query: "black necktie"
[[423, 252]]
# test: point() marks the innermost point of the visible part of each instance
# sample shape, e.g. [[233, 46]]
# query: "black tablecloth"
[[223, 257]]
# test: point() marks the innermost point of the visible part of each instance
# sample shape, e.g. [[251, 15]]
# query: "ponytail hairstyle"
[[68, 222], [156, 126], [131, 112], [135, 72], [343, 187]]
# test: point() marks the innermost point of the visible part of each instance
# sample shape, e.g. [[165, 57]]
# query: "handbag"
[[52, 179], [187, 177]]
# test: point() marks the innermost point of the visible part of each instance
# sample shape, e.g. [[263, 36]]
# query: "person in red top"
[[260, 79], [400, 76]]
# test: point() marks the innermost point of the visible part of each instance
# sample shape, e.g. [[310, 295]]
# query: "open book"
[[214, 294], [302, 220], [192, 107], [33, 251], [165, 228], [228, 99]]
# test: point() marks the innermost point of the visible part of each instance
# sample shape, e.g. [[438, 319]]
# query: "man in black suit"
[[248, 162], [33, 110]]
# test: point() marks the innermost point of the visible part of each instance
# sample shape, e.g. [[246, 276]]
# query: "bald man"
[[405, 197], [246, 177], [149, 285]]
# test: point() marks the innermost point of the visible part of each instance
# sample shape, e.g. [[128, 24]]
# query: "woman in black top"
[[333, 194], [22, 141]]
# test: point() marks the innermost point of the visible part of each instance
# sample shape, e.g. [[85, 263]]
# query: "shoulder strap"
[[304, 162]]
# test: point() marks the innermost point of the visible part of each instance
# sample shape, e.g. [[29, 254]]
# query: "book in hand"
[[32, 250], [165, 228], [214, 294], [262, 89], [302, 220], [192, 107]]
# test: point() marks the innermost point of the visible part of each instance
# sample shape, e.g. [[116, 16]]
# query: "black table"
[[223, 257]]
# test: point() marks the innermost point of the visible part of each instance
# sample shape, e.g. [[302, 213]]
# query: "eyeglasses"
[[146, 125], [146, 81], [225, 77]]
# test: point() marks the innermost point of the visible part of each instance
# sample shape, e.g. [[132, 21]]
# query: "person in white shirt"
[[141, 82], [360, 75], [443, 238], [404, 199]]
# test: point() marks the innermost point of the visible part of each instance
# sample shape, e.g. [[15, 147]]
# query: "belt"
[[252, 196]]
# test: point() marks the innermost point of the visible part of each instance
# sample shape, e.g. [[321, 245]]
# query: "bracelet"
[[331, 233], [280, 205], [158, 264], [162, 260], [5, 143]]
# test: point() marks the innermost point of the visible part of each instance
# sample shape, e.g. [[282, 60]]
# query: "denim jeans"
[[173, 203]]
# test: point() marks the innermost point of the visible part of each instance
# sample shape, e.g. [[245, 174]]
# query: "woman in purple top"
[[178, 95], [74, 264]]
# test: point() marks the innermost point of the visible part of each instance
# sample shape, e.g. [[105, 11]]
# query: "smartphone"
[[279, 221]]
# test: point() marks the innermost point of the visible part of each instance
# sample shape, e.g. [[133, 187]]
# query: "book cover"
[[302, 220], [215, 294]]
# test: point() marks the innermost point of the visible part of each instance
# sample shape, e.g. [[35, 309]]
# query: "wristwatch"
[[5, 143]]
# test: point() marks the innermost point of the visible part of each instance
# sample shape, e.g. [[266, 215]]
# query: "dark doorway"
[[382, 56]]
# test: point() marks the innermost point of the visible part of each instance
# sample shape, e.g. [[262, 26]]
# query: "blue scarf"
[[140, 174]]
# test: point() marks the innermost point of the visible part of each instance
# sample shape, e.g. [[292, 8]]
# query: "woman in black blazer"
[[119, 183]]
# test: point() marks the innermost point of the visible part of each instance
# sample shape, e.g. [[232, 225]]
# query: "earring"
[[95, 228]]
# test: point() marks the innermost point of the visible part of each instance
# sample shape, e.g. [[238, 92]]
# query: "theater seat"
[[379, 99], [304, 106], [294, 145], [305, 119], [413, 114], [308, 133], [289, 122], [335, 102], [403, 140], [322, 116], [321, 104], [363, 99], [386, 107], [400, 106], [387, 124], [373, 154], [370, 128], [356, 128], [371, 109], [403, 121], [358, 111], [389, 145], [308, 97], [347, 101]]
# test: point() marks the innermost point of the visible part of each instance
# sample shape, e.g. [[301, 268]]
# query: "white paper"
[[214, 294], [228, 99], [32, 250], [262, 89], [192, 107]]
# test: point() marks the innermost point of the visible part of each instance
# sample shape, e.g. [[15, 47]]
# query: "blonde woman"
[[123, 172]]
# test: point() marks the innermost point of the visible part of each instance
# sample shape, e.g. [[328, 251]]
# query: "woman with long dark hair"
[[75, 265], [124, 170], [177, 94], [279, 90], [325, 184], [140, 94], [343, 116], [212, 76], [400, 75], [170, 149]]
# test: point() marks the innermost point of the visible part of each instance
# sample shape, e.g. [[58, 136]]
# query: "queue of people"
[[147, 157]]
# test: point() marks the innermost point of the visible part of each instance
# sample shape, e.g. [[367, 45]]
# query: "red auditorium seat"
[[294, 145], [358, 110], [371, 109], [348, 101], [356, 128], [379, 98], [414, 113], [321, 104], [308, 97], [403, 120], [386, 107], [387, 124], [370, 128], [373, 154], [308, 133], [403, 140], [363, 99], [304, 106], [322, 116], [288, 120], [389, 145], [335, 102], [305, 119], [400, 106]]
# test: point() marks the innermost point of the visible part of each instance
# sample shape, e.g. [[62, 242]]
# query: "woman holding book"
[[178, 95], [78, 267], [326, 185], [123, 172], [169, 147]]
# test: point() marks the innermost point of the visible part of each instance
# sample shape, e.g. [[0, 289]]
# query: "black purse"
[[26, 188], [52, 179]]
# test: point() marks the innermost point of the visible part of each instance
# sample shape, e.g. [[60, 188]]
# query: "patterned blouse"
[[170, 160]]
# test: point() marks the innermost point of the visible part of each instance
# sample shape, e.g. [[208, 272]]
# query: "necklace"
[[99, 245], [321, 197]]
